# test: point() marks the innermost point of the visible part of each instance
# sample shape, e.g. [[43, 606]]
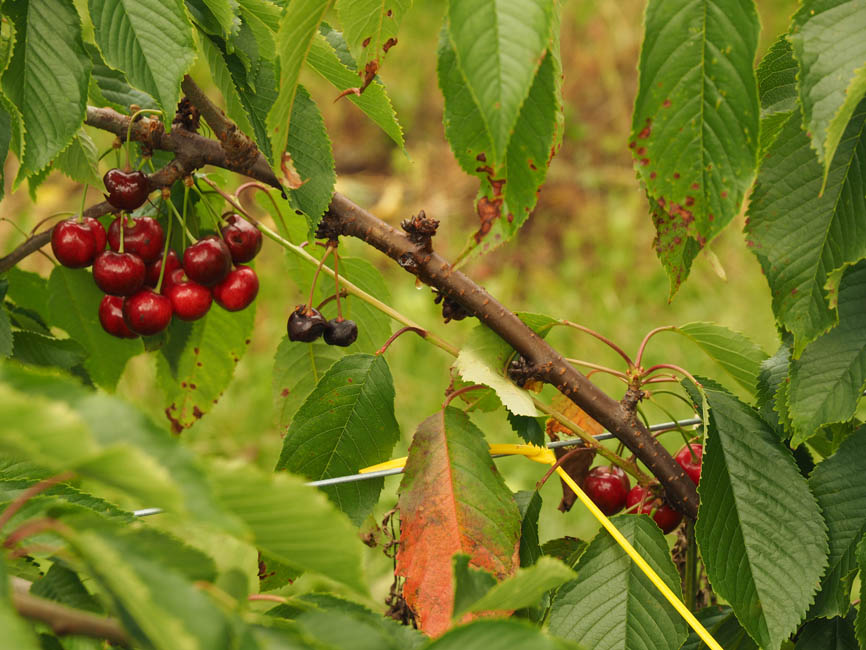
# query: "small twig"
[[598, 368], [646, 339], [417, 330], [613, 346], [342, 293], [328, 251]]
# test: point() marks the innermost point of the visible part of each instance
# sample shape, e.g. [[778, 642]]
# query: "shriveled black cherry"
[[118, 274], [340, 332], [305, 325], [243, 239], [127, 190]]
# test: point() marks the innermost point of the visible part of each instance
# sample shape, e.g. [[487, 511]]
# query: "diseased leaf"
[[612, 604], [298, 367], [298, 27], [196, 379], [839, 486], [73, 304], [452, 500], [374, 101], [787, 213], [735, 352], [346, 423], [827, 381], [371, 29], [826, 38], [749, 487], [695, 128], [149, 40], [46, 78]]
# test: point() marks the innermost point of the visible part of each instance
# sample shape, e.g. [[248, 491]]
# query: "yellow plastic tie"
[[671, 597]]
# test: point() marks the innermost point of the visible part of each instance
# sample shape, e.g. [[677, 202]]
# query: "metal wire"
[[351, 478]]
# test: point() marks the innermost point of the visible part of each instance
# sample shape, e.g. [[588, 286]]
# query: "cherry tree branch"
[[343, 217]]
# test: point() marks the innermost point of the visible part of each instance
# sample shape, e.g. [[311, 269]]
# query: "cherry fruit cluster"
[[610, 490]]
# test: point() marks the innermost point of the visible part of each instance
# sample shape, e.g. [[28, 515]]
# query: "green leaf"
[[149, 40], [158, 605], [346, 423], [73, 304], [298, 26], [723, 625], [452, 500], [771, 399], [525, 588], [298, 367], [498, 635], [79, 160], [483, 358], [35, 349], [6, 346], [205, 365], [750, 486], [469, 584], [499, 45], [60, 496], [371, 28], [15, 632], [787, 212], [777, 86], [47, 77], [529, 505], [567, 549], [840, 489], [529, 429], [5, 141], [224, 12], [63, 585], [612, 604], [696, 121], [735, 352], [263, 19], [109, 86], [860, 621], [827, 381], [310, 148], [826, 40], [836, 633], [292, 522], [374, 101]]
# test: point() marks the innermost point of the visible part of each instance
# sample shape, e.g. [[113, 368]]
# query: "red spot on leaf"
[[676, 175], [285, 392], [724, 194], [666, 103], [365, 42], [695, 186], [690, 201], [652, 175], [391, 42], [644, 161], [641, 151], [645, 131]]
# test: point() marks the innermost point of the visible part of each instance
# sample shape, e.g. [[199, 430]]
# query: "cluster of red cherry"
[[141, 297], [608, 487]]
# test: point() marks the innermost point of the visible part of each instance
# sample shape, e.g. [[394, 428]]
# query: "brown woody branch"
[[344, 217], [64, 620]]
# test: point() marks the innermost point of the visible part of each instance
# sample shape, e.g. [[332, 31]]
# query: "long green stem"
[[164, 262], [691, 569]]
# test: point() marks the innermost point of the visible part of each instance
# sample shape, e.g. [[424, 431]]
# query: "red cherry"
[[147, 312], [692, 466], [189, 300], [118, 274], [98, 231], [666, 517], [243, 239], [607, 487], [111, 318], [74, 243], [127, 190], [238, 289], [208, 261], [154, 267], [144, 238]]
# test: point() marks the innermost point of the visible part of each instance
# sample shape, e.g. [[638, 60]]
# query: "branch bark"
[[344, 217]]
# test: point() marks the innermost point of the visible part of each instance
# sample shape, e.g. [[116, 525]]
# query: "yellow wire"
[[547, 457]]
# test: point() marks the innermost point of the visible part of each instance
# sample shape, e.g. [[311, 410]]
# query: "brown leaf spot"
[[666, 103], [285, 392], [645, 131], [724, 194], [291, 178], [488, 212], [676, 175], [690, 201], [197, 412], [391, 42], [641, 151], [652, 175], [365, 42], [482, 157], [644, 161], [632, 144], [695, 186]]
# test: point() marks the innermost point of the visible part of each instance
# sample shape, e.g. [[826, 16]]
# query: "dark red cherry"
[[208, 261], [154, 267], [691, 465], [305, 325], [238, 290], [147, 312], [340, 332], [74, 243], [189, 300], [98, 230], [127, 190], [118, 274], [608, 488], [243, 238], [144, 237], [111, 318], [666, 517]]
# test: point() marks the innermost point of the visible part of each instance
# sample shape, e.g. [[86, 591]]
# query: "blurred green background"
[[585, 255]]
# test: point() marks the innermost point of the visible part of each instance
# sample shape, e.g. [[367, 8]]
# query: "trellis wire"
[[351, 478]]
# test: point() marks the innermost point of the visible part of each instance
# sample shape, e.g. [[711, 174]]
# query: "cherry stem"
[[122, 221], [670, 366], [269, 597], [598, 368], [420, 332], [646, 339], [342, 293], [601, 338], [661, 380], [30, 528], [229, 199], [39, 223], [181, 218], [253, 185], [328, 251], [83, 203], [461, 391], [142, 111], [558, 463], [676, 426], [337, 285], [164, 262], [29, 493]]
